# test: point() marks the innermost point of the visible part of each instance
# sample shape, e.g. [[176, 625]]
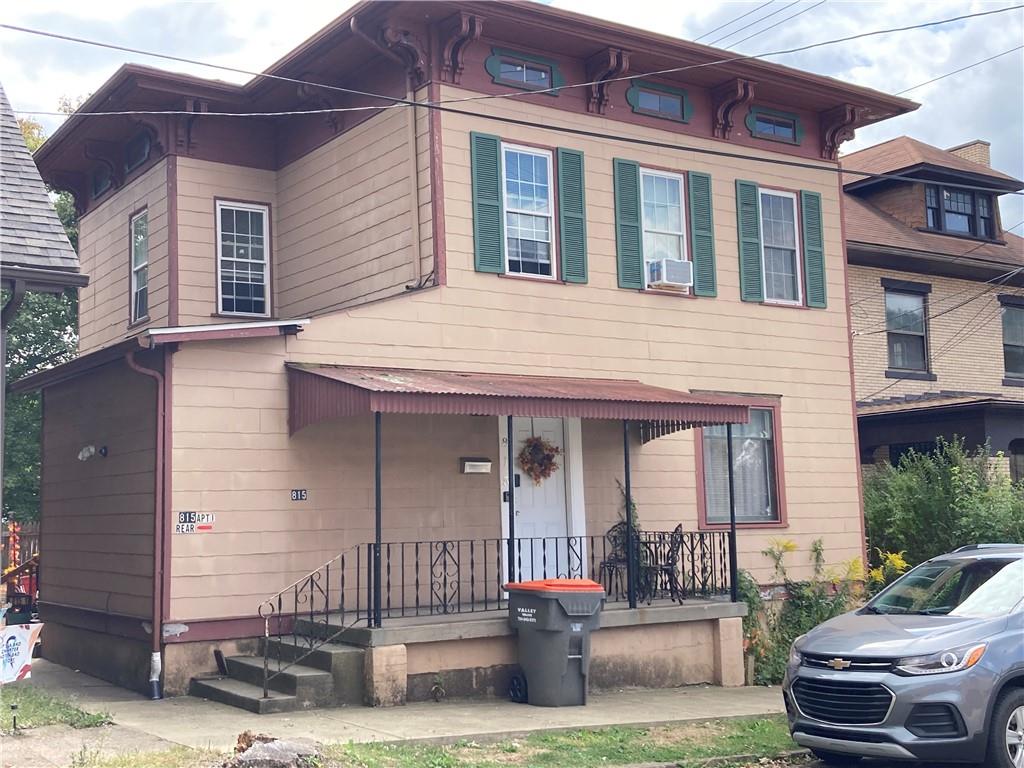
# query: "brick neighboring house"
[[936, 300], [312, 339]]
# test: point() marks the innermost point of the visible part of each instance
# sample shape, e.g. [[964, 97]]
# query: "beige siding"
[[97, 515], [200, 184], [104, 253], [965, 336]]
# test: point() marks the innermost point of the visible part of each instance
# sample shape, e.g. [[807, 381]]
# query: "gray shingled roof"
[[31, 234]]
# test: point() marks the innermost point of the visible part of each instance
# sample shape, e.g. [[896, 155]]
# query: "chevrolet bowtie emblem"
[[838, 664]]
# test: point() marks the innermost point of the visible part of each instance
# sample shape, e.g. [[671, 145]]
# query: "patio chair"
[[613, 567], [665, 567]]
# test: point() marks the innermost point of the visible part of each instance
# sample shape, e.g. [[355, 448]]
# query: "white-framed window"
[[140, 267], [528, 200], [906, 326], [755, 471], [663, 216], [243, 262], [780, 247]]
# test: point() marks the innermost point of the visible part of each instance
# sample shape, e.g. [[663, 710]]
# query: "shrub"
[[932, 503]]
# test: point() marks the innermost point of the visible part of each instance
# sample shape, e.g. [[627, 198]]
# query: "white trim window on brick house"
[[1013, 340], [906, 330], [139, 267], [243, 261]]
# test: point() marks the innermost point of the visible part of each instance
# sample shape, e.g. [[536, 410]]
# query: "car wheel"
[[835, 758], [1006, 737]]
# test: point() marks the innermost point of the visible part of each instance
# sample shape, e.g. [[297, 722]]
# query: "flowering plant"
[[538, 459]]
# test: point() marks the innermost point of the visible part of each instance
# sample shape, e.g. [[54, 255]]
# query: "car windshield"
[[982, 588]]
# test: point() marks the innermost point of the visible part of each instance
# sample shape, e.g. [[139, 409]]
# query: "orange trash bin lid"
[[556, 585]]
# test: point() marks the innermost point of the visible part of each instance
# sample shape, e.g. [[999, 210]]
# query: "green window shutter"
[[814, 249], [488, 229], [628, 234], [748, 224], [702, 234], [572, 216]]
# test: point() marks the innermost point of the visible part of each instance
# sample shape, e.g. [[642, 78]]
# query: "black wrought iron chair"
[[613, 567], [666, 566]]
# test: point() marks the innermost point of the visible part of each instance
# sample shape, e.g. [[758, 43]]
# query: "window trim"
[[552, 209], [908, 288], [684, 233], [633, 99], [755, 112], [976, 216], [132, 269], [799, 256], [492, 64], [249, 205], [1010, 302], [774, 404]]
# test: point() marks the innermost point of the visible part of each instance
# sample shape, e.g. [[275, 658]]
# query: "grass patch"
[[683, 743], [178, 757], [36, 708]]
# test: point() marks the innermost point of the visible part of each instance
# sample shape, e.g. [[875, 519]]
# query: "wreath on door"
[[539, 459]]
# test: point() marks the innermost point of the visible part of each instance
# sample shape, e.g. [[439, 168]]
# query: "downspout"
[[159, 518]]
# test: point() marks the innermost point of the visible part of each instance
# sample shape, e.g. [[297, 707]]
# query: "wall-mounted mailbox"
[[472, 466]]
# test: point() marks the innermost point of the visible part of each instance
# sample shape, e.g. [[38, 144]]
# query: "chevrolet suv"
[[931, 669]]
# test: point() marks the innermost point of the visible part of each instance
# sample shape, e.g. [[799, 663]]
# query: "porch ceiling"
[[322, 392]]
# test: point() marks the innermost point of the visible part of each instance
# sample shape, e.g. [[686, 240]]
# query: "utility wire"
[[957, 71], [783, 21], [732, 21], [753, 23]]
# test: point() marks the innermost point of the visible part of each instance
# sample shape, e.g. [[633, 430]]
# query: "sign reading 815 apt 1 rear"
[[195, 522]]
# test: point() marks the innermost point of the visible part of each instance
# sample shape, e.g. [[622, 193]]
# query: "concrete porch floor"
[[197, 723]]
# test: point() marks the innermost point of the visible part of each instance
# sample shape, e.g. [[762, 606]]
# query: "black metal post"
[[733, 565], [511, 502], [378, 520], [630, 533]]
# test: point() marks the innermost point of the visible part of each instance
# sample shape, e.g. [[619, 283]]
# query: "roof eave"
[[44, 280], [921, 171]]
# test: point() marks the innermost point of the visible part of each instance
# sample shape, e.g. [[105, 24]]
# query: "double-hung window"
[[906, 330], [960, 211], [661, 198], [755, 474], [529, 209], [1013, 340], [243, 262], [780, 248], [140, 267]]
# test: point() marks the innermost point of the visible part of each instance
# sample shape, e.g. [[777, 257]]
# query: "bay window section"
[[529, 206], [906, 331], [780, 254], [661, 199], [242, 259], [755, 474], [140, 267]]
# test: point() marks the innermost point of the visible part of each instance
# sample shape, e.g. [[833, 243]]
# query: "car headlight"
[[795, 657], [952, 660]]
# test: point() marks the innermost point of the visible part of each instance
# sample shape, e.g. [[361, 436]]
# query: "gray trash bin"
[[554, 618]]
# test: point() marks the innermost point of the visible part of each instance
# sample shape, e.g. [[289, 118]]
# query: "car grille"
[[935, 721], [842, 702], [818, 661]]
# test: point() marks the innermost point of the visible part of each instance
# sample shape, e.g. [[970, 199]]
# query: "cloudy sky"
[[983, 102]]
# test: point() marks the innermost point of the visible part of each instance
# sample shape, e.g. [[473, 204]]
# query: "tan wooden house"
[[329, 358]]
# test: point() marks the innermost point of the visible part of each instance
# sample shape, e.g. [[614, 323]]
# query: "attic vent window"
[[648, 98], [530, 75], [773, 125], [136, 153], [524, 70], [102, 181]]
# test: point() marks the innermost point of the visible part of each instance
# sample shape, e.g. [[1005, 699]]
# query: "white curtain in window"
[[754, 478]]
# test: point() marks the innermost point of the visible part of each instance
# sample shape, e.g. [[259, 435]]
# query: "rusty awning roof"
[[322, 392]]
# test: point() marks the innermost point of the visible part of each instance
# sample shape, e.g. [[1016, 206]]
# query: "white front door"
[[541, 519]]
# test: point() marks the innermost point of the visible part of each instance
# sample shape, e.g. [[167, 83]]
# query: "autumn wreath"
[[538, 459]]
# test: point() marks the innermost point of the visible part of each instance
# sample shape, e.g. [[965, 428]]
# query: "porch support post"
[[631, 549], [733, 565], [378, 519], [512, 576]]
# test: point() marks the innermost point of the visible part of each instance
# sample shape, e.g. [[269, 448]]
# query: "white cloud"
[[985, 102]]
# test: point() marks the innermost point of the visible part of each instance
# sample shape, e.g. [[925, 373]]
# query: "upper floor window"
[[243, 258], [524, 70], [529, 208], [906, 330], [755, 471], [661, 199], [773, 125], [960, 211], [780, 247], [650, 98], [1013, 340], [522, 73], [140, 267]]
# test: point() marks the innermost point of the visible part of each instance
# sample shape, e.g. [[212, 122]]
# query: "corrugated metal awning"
[[322, 392]]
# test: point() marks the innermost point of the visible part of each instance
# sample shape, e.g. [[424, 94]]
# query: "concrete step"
[[344, 662], [311, 686], [237, 693]]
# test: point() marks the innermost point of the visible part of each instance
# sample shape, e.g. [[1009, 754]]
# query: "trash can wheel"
[[517, 688]]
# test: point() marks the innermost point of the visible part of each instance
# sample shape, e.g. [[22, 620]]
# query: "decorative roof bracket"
[[458, 31], [838, 125], [75, 183], [602, 68], [184, 127], [726, 98], [316, 98], [409, 49]]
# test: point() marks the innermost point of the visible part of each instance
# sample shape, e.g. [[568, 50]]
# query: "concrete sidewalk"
[[207, 725]]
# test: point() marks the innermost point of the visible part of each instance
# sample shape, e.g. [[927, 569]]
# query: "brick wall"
[[965, 344], [977, 151], [904, 202]]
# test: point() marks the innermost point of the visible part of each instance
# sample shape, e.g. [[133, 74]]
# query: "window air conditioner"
[[669, 273]]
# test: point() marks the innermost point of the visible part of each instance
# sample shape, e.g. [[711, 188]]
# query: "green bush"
[[932, 503]]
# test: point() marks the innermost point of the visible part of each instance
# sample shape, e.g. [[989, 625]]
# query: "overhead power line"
[[776, 12], [808, 9], [733, 21], [957, 71]]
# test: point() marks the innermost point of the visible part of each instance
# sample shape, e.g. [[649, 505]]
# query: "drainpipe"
[[159, 517]]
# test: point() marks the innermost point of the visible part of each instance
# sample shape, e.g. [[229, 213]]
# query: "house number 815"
[[298, 494]]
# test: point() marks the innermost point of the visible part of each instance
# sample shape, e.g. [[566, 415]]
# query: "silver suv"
[[931, 669]]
